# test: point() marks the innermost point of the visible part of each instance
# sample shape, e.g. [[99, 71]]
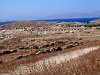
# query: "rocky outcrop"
[[28, 47], [51, 50], [7, 52], [38, 52]]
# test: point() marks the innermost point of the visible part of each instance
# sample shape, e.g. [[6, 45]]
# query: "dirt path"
[[52, 61]]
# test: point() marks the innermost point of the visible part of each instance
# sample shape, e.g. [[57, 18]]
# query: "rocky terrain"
[[26, 43]]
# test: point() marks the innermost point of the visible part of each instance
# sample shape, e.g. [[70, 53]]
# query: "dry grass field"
[[86, 64], [72, 53]]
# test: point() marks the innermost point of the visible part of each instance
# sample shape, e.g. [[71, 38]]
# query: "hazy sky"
[[39, 9]]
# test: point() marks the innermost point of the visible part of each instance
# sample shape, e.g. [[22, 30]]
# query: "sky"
[[45, 9]]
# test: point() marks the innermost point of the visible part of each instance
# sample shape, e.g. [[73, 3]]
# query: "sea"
[[84, 20], [6, 22]]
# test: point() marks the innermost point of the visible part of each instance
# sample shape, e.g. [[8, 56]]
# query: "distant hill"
[[97, 21], [46, 23], [26, 23], [1, 21]]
